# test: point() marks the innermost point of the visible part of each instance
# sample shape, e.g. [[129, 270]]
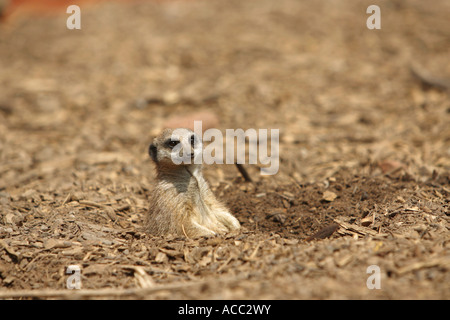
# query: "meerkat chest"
[[190, 193], [198, 195]]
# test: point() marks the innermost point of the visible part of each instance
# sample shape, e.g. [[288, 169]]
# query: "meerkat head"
[[176, 147]]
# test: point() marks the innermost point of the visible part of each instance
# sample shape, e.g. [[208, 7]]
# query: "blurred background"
[[337, 91]]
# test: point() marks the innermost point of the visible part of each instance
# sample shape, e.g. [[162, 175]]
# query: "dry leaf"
[[161, 257], [389, 166], [367, 221], [329, 196], [324, 232]]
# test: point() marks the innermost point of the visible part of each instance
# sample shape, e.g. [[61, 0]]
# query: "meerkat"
[[182, 202]]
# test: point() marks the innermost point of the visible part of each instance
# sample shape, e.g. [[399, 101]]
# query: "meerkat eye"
[[172, 143]]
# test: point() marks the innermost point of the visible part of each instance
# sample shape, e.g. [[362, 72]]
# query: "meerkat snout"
[[182, 202]]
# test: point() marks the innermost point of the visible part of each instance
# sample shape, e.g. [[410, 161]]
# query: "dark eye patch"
[[171, 143]]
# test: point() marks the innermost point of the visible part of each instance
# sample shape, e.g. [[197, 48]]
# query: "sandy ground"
[[364, 149]]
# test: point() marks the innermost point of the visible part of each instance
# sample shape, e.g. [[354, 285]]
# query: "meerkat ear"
[[152, 151]]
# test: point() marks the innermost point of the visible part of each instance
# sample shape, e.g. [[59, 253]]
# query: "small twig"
[[244, 172], [110, 292], [91, 203], [67, 199], [354, 229], [90, 293], [224, 264], [255, 251]]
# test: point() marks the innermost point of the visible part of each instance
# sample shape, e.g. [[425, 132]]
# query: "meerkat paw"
[[234, 223], [229, 221], [197, 230]]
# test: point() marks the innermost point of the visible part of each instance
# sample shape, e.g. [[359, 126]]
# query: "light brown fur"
[[182, 202]]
